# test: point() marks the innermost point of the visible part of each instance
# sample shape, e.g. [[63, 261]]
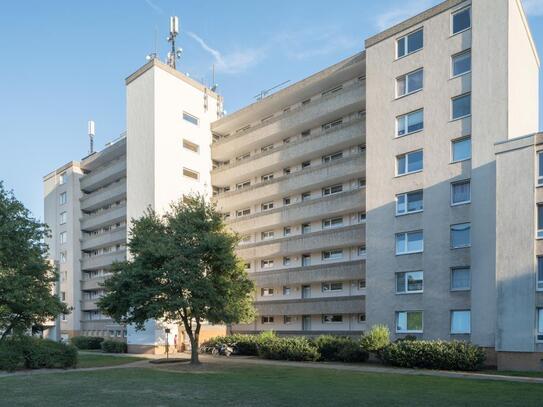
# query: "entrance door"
[[306, 322]]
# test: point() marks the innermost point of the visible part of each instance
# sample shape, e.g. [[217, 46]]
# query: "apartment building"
[[289, 176]]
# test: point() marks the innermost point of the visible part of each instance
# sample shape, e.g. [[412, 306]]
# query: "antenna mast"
[[175, 53], [91, 133]]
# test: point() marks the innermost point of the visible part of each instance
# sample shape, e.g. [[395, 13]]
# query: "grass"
[[514, 373], [237, 385], [97, 360]]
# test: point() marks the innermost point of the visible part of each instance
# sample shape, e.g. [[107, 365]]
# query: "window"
[[63, 218], [332, 91], [63, 237], [306, 228], [334, 286], [269, 234], [286, 140], [461, 149], [63, 198], [540, 324], [306, 102], [287, 231], [361, 183], [332, 223], [332, 319], [63, 296], [362, 317], [190, 118], [461, 106], [409, 202], [410, 43], [286, 171], [63, 257], [332, 157], [409, 83], [267, 148], [267, 177], [540, 168], [286, 261], [266, 264], [267, 319], [243, 212], [362, 217], [409, 163], [243, 184], [540, 220], [409, 322], [306, 260], [243, 157], [461, 20], [62, 178], [460, 278], [306, 164], [267, 206], [287, 319], [409, 242], [332, 254], [409, 123], [332, 124], [306, 133], [361, 284], [460, 192], [461, 322], [460, 235], [286, 200], [362, 250], [266, 292], [247, 266], [409, 282], [306, 196], [461, 63], [191, 173], [333, 189]]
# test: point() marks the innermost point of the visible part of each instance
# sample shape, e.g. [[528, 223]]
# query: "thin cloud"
[[533, 7], [154, 6], [398, 13]]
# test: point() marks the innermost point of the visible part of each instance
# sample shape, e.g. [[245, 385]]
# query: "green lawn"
[[99, 360], [232, 385]]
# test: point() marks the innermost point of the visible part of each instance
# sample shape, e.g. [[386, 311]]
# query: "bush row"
[[114, 347], [35, 353], [87, 342]]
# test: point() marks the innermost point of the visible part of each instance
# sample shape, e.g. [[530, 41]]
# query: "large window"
[[410, 162], [409, 242], [409, 83], [461, 20], [190, 118], [460, 278], [410, 43], [461, 322], [460, 235], [540, 220], [461, 63], [461, 149], [461, 192], [409, 123], [409, 282], [409, 322], [461, 106], [410, 202]]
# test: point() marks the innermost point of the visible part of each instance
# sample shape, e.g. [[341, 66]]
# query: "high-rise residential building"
[[399, 186]]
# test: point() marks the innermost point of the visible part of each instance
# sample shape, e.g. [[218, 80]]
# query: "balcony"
[[105, 239], [103, 260], [313, 306], [349, 236], [89, 305], [103, 176], [285, 155], [320, 111], [348, 270], [311, 178], [104, 196], [97, 221], [313, 209], [92, 283]]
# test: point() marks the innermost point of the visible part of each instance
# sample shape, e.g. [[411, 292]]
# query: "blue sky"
[[64, 62]]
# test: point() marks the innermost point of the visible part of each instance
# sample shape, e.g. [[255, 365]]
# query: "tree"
[[183, 268], [26, 276]]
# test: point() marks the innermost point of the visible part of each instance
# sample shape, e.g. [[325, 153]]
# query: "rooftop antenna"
[[214, 85], [175, 53], [91, 133], [265, 93]]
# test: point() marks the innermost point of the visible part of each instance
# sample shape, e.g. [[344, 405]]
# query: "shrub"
[[87, 342], [296, 348], [342, 349], [246, 345], [441, 355], [36, 353], [114, 347], [376, 339]]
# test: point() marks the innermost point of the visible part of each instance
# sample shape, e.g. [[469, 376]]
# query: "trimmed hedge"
[[295, 348], [87, 342], [440, 355], [376, 339], [114, 347], [246, 345], [36, 353], [340, 349]]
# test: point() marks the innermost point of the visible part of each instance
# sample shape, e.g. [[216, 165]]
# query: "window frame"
[[539, 229], [406, 194], [451, 321], [332, 254], [458, 140], [460, 54], [463, 95], [266, 263], [190, 118], [406, 155], [331, 191], [63, 198], [191, 174], [407, 252], [407, 90], [406, 38], [267, 319], [267, 235], [328, 223], [451, 236], [325, 317], [331, 286], [190, 146], [408, 331], [267, 206], [454, 13], [539, 167], [63, 218], [452, 270], [539, 325], [405, 282], [406, 117], [464, 181]]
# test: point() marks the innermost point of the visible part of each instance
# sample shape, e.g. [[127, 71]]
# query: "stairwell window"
[[63, 198], [191, 174], [409, 282], [409, 123], [63, 237], [63, 218], [187, 145], [409, 43], [409, 83], [410, 202], [409, 242], [461, 106], [461, 20], [409, 163], [190, 118], [409, 322], [460, 192]]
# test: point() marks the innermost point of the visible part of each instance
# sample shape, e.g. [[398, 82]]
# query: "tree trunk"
[[193, 336]]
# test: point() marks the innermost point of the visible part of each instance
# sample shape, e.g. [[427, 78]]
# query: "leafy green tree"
[[183, 268], [26, 276]]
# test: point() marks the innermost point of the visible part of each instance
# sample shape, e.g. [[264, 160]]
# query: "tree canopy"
[[26, 276], [183, 268]]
